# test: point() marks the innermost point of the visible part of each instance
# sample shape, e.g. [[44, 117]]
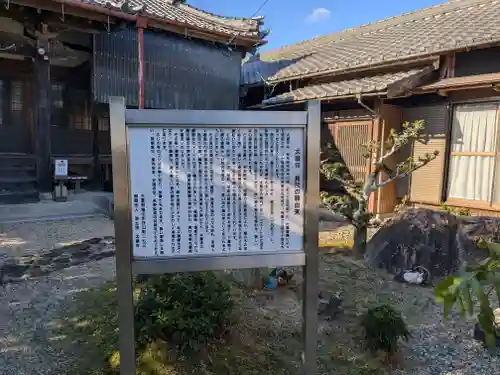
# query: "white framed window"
[[474, 168]]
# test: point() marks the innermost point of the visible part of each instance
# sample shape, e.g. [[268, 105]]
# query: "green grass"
[[265, 335]]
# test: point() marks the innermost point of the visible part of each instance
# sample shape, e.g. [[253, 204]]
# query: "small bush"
[[456, 211], [384, 327], [187, 310]]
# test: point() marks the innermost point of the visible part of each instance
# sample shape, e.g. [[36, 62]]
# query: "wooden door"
[[349, 136], [15, 117]]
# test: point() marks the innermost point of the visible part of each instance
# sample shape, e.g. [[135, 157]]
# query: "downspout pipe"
[[360, 102]]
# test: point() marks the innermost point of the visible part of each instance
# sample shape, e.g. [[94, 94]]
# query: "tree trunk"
[[360, 236], [360, 227]]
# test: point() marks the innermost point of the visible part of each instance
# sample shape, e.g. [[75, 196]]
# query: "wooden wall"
[[390, 118], [426, 184]]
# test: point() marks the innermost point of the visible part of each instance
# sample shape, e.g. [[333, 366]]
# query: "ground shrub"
[[384, 327], [187, 310]]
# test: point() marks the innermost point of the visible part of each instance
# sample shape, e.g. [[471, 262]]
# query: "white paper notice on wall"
[[216, 191], [61, 168]]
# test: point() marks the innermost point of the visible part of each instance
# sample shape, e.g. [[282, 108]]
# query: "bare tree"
[[353, 205]]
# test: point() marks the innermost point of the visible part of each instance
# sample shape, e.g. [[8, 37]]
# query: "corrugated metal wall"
[[178, 72], [426, 184], [115, 66], [187, 74]]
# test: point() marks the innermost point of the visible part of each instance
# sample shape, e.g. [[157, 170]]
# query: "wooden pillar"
[[97, 175], [42, 115], [141, 24]]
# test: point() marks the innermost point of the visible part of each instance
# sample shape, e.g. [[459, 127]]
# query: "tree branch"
[[410, 131], [412, 168]]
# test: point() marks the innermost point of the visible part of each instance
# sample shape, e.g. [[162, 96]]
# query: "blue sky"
[[291, 21]]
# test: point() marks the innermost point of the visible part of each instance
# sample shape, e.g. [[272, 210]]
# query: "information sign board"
[[212, 191]]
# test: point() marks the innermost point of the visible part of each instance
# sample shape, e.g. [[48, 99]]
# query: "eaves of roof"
[[181, 18], [461, 83], [388, 84]]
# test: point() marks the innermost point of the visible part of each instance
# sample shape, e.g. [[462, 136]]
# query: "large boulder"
[[473, 228], [437, 241], [417, 238]]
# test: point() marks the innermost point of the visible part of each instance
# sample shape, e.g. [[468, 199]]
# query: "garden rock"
[[329, 304], [473, 228], [417, 238]]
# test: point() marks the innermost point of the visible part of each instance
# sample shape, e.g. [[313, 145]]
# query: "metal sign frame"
[[126, 265]]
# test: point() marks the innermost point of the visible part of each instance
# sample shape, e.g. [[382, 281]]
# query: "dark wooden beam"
[[55, 19], [42, 115], [6, 102], [97, 175], [53, 6]]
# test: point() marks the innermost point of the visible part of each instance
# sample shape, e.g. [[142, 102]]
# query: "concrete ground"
[[78, 206]]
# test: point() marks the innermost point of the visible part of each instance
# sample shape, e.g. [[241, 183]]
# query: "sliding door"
[[474, 155]]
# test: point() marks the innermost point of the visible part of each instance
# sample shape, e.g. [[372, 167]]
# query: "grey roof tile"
[[374, 84], [192, 16], [449, 26]]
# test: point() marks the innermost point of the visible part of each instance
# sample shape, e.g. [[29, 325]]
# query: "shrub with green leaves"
[[384, 327], [456, 211], [187, 310], [475, 284]]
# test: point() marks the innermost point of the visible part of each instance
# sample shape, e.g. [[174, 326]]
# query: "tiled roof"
[[378, 84], [192, 16], [446, 27]]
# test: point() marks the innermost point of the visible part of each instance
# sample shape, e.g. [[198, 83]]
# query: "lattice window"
[[80, 118], [57, 95], [103, 122], [79, 115], [57, 108], [16, 96]]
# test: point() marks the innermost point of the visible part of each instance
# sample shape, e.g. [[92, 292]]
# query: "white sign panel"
[[215, 191], [61, 168]]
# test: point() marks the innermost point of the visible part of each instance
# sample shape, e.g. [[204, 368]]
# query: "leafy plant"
[[384, 327], [187, 310], [475, 284], [353, 205], [456, 211]]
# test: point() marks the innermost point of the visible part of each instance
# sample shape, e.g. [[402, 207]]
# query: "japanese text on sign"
[[202, 191]]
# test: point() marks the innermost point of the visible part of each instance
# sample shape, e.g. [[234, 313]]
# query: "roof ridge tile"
[[453, 26], [358, 30], [189, 15]]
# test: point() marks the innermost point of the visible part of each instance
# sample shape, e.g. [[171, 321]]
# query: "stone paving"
[[35, 265]]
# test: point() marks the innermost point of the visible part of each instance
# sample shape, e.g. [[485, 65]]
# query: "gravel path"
[[447, 348], [28, 309], [28, 238]]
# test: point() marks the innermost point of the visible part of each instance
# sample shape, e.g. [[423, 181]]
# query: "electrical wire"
[[253, 15], [258, 10]]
